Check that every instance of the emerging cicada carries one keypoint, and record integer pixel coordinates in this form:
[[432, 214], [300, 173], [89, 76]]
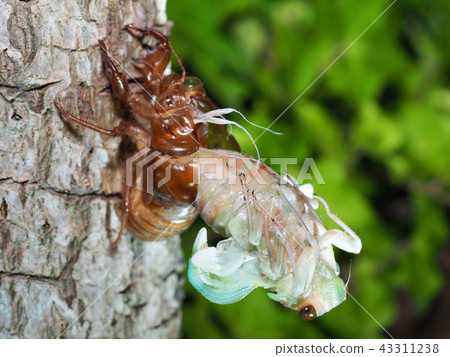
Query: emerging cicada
[[273, 237]]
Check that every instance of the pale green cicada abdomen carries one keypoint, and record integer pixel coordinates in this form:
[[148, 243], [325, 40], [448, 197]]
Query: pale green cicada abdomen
[[273, 237]]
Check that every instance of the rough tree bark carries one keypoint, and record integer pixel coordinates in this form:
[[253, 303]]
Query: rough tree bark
[[59, 188]]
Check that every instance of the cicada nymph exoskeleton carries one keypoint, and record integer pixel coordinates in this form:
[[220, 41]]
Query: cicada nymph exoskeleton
[[169, 104], [272, 235]]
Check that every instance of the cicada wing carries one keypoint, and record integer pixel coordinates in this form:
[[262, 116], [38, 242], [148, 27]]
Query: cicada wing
[[223, 274], [225, 289]]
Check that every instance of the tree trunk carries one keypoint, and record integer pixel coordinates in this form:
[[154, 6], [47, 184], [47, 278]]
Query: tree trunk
[[60, 183]]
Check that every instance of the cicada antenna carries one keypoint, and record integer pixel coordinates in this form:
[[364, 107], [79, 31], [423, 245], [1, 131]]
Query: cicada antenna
[[183, 70]]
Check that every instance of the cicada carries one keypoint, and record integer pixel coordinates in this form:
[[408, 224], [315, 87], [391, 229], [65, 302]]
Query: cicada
[[188, 163]]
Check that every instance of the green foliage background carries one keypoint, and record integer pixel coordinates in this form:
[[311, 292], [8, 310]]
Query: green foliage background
[[376, 123]]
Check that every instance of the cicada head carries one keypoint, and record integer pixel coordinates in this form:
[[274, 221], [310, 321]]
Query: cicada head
[[326, 291]]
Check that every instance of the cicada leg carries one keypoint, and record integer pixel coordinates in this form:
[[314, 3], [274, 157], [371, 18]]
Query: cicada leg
[[270, 250], [123, 128], [247, 202], [155, 62], [125, 214], [158, 59], [137, 103]]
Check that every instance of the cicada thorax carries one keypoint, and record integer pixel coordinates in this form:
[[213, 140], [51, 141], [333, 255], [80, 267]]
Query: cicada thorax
[[249, 200], [225, 178]]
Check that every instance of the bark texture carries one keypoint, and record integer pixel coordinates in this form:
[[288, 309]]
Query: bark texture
[[60, 186]]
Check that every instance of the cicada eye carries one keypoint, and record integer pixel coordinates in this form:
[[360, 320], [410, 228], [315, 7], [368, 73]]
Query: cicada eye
[[308, 313]]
